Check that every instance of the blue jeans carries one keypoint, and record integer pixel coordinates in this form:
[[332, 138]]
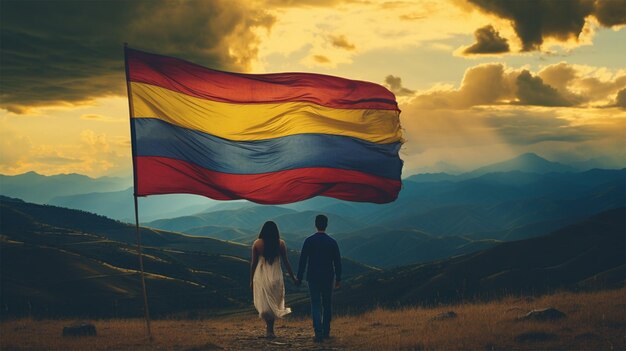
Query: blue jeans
[[321, 306]]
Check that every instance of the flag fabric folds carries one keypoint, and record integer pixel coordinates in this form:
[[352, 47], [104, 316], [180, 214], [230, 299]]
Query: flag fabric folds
[[267, 138]]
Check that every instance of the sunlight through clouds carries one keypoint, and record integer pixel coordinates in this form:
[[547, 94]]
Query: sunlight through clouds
[[363, 26], [498, 112], [90, 138], [556, 88]]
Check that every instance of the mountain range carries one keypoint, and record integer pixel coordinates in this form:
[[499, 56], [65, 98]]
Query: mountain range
[[63, 263], [588, 254], [448, 217], [112, 197], [529, 162], [119, 204], [40, 189]]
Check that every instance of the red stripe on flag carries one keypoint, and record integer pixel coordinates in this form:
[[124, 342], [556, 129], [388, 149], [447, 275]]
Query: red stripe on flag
[[159, 175], [194, 80]]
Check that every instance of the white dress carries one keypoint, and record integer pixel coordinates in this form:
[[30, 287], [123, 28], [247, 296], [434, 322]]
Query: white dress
[[269, 289]]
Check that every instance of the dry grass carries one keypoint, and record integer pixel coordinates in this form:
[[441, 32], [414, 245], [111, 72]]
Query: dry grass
[[595, 321]]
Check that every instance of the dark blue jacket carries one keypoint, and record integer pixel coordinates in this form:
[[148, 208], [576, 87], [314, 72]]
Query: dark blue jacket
[[321, 253]]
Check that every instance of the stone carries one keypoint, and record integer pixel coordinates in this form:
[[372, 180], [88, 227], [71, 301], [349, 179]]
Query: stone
[[445, 315], [546, 314]]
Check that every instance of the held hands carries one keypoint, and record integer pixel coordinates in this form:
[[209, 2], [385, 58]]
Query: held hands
[[297, 281]]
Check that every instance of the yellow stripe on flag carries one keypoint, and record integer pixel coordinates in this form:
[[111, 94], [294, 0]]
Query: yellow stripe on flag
[[246, 122]]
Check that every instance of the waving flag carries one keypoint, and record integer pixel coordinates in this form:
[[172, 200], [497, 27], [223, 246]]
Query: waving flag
[[267, 138]]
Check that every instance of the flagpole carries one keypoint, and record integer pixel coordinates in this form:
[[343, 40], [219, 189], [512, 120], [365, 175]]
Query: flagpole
[[138, 232]]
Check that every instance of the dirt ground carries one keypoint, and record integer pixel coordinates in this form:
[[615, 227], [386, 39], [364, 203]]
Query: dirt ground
[[593, 321]]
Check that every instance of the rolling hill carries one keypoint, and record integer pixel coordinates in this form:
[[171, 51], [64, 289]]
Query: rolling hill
[[119, 204], [62, 262], [382, 247], [250, 218], [586, 255]]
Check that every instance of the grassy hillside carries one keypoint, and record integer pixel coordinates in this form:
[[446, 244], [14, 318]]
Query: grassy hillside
[[383, 247], [74, 266], [588, 254], [594, 321], [58, 261], [62, 262]]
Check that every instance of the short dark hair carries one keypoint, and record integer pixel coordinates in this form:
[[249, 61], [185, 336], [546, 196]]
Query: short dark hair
[[321, 222]]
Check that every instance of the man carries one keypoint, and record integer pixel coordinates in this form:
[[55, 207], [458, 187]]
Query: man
[[321, 253]]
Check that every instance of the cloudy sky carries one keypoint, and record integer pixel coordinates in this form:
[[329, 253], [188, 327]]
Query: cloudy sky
[[478, 81]]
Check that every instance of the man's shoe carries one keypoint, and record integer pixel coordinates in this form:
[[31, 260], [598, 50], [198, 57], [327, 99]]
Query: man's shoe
[[318, 339]]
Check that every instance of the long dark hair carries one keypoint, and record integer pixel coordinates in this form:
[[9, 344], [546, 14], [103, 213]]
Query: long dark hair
[[271, 241]]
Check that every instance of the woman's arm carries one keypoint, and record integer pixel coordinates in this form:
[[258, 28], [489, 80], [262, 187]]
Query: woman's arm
[[285, 258], [254, 261]]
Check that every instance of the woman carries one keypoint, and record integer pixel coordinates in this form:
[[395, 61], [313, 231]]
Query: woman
[[266, 276]]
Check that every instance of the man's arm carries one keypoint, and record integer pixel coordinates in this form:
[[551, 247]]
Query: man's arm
[[337, 264], [304, 257]]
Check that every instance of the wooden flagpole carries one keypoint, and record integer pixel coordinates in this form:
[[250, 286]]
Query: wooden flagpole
[[138, 232], [143, 280]]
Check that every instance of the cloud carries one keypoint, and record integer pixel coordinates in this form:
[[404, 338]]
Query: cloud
[[481, 85], [55, 160], [488, 41], [412, 16], [14, 148], [66, 51], [528, 127], [341, 42], [95, 140], [93, 154], [620, 99], [100, 118], [534, 21], [565, 112], [532, 91], [395, 85], [583, 84], [300, 33], [302, 3], [92, 116], [560, 84], [321, 59], [473, 137], [610, 12], [394, 4]]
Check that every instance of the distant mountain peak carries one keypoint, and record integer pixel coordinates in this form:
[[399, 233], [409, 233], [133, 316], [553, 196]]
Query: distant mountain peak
[[34, 187], [26, 174], [527, 162], [531, 156]]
